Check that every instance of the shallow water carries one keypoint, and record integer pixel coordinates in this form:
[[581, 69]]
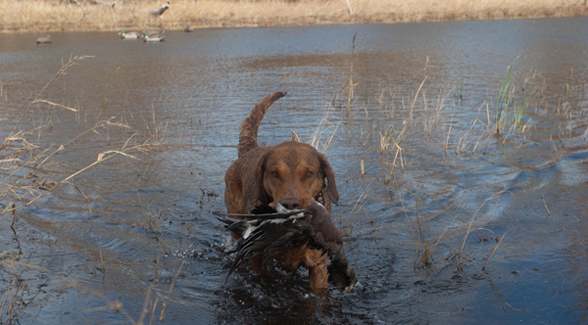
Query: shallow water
[[127, 230]]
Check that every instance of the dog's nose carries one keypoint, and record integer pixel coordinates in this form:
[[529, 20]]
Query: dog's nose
[[291, 203]]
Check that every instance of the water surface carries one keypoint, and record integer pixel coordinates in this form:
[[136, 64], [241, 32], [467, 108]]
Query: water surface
[[124, 231]]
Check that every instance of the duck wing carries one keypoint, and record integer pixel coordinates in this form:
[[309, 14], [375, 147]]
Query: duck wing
[[271, 235]]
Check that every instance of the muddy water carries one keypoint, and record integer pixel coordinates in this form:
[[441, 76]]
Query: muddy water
[[123, 233]]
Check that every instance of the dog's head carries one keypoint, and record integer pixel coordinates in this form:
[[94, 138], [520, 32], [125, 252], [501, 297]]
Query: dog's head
[[294, 174]]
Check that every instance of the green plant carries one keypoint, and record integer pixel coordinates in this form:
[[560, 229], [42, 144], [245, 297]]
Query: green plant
[[507, 100], [502, 101]]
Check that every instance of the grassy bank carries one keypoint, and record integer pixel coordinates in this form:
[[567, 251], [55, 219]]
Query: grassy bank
[[92, 15]]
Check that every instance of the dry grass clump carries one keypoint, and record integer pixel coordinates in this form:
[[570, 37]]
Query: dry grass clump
[[155, 301], [82, 15], [49, 15], [443, 10], [517, 108], [13, 293], [520, 108], [20, 186], [22, 166], [11, 296]]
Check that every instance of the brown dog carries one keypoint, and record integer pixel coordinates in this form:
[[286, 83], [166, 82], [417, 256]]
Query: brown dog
[[291, 173]]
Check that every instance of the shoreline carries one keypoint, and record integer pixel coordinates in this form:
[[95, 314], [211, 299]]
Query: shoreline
[[41, 16]]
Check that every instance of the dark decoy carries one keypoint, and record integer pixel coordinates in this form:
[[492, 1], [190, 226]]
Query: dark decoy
[[152, 38], [44, 40], [130, 35]]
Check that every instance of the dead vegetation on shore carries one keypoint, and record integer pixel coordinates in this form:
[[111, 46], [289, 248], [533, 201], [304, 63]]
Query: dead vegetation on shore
[[95, 15]]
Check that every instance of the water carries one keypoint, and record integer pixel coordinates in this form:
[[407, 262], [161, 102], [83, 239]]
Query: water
[[127, 230]]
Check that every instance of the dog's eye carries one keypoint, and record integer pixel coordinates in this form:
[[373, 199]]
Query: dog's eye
[[275, 174], [309, 173]]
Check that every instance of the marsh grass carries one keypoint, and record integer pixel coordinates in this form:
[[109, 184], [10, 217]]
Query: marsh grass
[[503, 101], [432, 116], [462, 256], [419, 113], [498, 242], [12, 299], [23, 162], [84, 15], [350, 86], [436, 115], [426, 244], [155, 301], [348, 216], [52, 15], [424, 247], [518, 106], [15, 146], [508, 109], [521, 105], [571, 106], [152, 223], [20, 158], [324, 133]]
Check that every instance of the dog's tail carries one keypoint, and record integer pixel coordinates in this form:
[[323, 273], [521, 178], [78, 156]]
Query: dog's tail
[[249, 127]]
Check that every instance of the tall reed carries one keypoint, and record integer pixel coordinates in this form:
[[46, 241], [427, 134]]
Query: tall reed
[[509, 108]]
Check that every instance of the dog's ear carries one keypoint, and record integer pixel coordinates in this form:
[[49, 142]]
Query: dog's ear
[[262, 194], [330, 175]]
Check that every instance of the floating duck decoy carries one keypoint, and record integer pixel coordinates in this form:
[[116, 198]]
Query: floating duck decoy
[[267, 230], [44, 40], [154, 38], [150, 33], [188, 29], [130, 35]]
